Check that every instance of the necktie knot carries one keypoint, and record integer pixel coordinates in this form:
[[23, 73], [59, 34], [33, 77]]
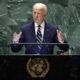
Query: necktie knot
[[39, 26]]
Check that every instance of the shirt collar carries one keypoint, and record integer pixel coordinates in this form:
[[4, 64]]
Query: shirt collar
[[42, 24]]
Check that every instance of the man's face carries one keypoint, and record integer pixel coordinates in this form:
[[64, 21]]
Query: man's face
[[38, 15]]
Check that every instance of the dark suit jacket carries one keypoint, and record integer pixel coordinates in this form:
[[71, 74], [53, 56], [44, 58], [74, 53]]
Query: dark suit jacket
[[28, 36]]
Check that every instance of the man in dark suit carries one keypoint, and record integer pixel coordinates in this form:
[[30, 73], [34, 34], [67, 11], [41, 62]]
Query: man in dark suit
[[39, 31]]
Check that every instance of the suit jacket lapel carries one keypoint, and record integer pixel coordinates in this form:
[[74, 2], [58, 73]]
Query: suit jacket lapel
[[33, 36], [46, 33]]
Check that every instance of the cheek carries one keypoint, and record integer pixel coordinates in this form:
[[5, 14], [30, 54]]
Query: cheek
[[41, 17], [34, 17]]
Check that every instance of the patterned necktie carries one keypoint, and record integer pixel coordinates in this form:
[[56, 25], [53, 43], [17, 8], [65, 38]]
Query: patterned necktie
[[39, 37]]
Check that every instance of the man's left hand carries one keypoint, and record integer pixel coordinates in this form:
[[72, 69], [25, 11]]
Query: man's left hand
[[60, 36]]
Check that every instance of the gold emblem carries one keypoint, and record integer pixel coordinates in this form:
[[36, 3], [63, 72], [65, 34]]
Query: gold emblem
[[38, 67]]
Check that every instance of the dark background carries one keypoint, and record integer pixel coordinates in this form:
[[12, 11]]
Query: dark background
[[61, 67]]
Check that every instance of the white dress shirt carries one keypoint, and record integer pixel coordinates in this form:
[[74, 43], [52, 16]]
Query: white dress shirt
[[42, 28]]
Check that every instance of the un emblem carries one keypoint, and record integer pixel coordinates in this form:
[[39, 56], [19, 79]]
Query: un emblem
[[38, 67]]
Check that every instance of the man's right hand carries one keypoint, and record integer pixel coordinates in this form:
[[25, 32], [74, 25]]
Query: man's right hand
[[16, 37]]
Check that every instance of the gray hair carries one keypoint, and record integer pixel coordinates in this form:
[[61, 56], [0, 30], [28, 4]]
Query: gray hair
[[40, 5]]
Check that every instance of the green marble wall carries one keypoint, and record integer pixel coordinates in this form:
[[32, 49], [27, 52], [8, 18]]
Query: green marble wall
[[65, 13]]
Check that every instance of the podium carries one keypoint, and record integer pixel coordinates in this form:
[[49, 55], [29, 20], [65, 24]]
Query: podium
[[39, 67], [5, 48], [14, 67]]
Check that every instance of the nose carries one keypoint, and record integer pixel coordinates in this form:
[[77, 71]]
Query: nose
[[36, 15]]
